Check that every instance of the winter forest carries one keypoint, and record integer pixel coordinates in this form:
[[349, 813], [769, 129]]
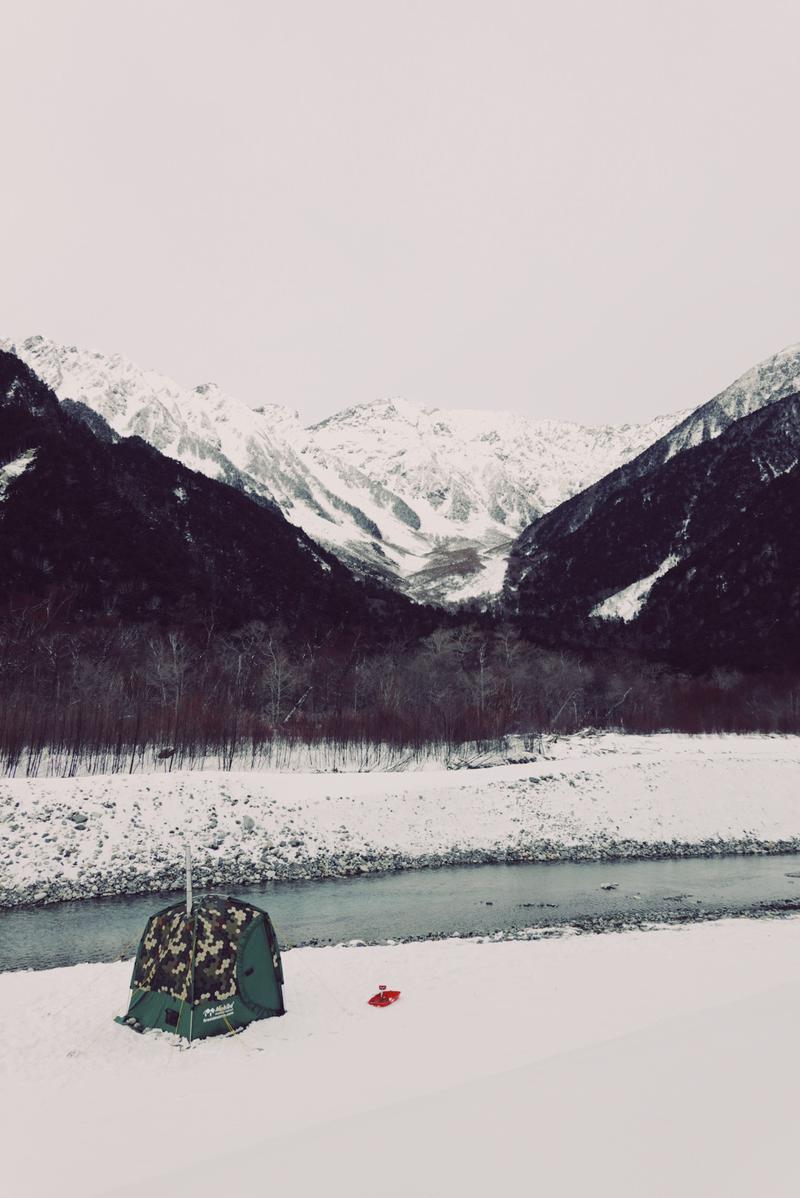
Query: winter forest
[[123, 699]]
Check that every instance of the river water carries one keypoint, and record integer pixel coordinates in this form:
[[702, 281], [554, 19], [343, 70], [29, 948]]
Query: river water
[[465, 900]]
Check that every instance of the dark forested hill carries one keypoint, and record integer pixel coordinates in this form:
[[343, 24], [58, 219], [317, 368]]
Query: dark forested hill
[[737, 600], [114, 529], [693, 560], [768, 382]]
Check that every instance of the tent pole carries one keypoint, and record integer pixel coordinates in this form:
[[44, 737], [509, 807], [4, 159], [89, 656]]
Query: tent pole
[[188, 879]]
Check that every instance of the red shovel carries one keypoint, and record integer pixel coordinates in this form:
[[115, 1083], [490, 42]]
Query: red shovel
[[384, 997]]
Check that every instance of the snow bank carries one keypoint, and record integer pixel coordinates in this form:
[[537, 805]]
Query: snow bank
[[598, 798], [657, 1063]]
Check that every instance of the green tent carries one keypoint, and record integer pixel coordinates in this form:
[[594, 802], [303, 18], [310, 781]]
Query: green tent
[[209, 971]]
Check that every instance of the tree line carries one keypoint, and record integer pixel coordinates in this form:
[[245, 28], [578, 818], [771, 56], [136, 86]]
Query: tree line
[[119, 696]]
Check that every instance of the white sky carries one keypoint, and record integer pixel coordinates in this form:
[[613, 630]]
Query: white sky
[[585, 210]]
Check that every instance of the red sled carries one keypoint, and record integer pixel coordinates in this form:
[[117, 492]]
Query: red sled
[[384, 997]]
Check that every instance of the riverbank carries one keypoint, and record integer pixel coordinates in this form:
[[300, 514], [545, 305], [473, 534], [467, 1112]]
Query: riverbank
[[592, 799], [664, 1056]]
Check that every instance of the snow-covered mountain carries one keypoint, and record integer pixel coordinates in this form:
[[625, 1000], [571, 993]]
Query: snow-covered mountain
[[219, 436], [95, 525], [426, 499], [688, 552], [464, 467], [771, 380]]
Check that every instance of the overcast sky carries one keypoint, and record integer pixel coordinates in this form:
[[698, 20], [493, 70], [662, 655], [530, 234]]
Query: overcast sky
[[581, 210]]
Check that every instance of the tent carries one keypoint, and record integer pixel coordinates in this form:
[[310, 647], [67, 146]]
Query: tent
[[205, 969]]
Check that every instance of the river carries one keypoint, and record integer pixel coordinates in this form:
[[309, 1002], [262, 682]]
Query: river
[[416, 904]]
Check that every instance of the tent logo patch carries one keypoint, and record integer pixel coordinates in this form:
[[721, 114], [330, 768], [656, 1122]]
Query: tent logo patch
[[221, 1011]]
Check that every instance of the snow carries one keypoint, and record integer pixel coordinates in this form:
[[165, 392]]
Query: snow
[[14, 469], [591, 798], [626, 604], [434, 482], [656, 1063], [768, 381], [456, 460]]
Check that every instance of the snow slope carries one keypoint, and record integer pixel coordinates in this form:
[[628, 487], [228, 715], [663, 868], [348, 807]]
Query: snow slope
[[656, 1062], [599, 797], [487, 470], [14, 469], [768, 381], [627, 603], [428, 499]]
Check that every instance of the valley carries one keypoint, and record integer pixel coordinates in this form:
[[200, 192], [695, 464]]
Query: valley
[[424, 500]]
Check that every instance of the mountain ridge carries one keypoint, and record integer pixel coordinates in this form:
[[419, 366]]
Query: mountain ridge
[[121, 532], [653, 562], [768, 381], [428, 500]]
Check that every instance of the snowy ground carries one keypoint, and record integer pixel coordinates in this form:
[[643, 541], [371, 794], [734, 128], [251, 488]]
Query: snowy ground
[[658, 1063], [597, 797]]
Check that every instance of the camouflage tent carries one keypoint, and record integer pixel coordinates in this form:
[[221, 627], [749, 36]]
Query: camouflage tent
[[212, 971]]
